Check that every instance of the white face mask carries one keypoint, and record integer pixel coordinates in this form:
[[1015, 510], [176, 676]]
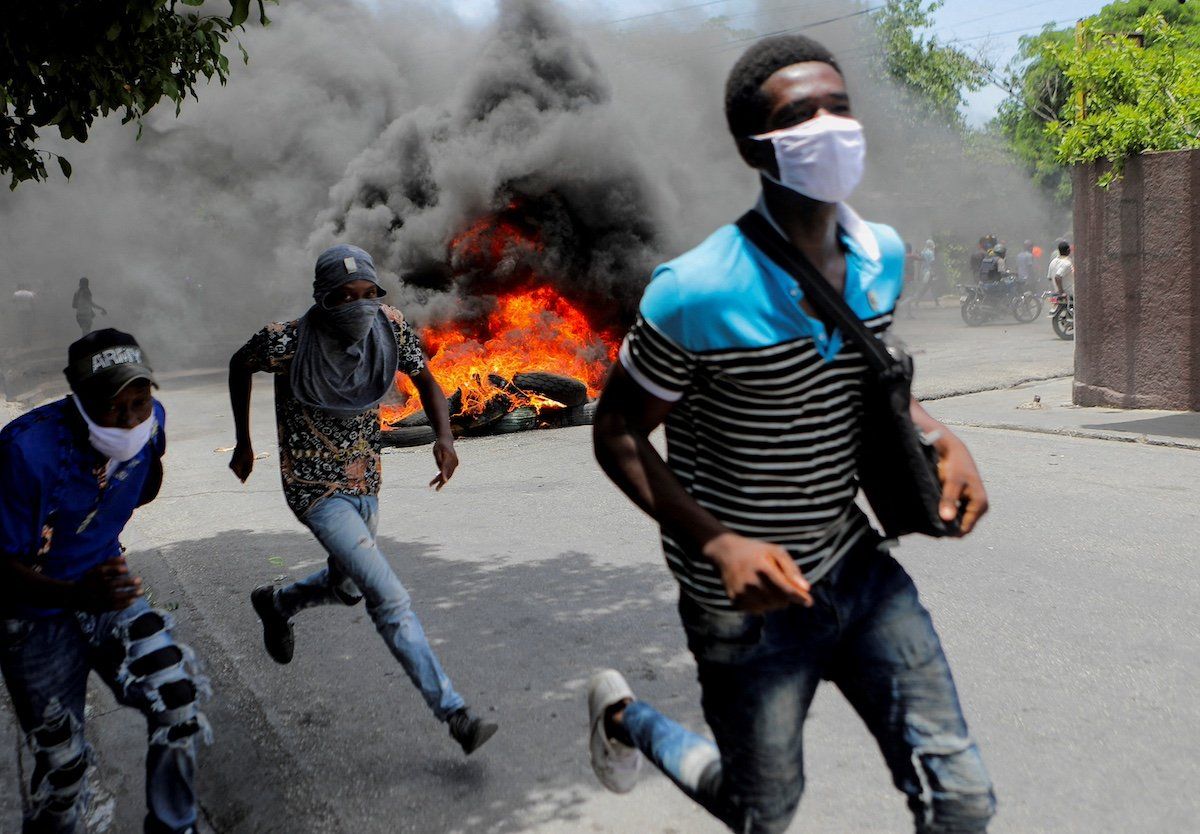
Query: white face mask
[[823, 158], [117, 445]]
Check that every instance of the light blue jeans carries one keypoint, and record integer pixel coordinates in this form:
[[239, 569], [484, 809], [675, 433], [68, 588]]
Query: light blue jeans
[[345, 525]]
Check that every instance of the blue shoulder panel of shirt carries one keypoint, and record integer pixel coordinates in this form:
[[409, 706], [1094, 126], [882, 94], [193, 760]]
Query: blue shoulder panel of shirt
[[725, 294], [44, 474]]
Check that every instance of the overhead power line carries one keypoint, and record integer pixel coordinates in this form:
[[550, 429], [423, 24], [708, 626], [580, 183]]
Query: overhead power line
[[1014, 31], [864, 50], [723, 18], [675, 57], [804, 26], [998, 14], [667, 11]]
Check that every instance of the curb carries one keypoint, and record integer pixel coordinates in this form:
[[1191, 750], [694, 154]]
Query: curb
[[966, 392], [1082, 434]]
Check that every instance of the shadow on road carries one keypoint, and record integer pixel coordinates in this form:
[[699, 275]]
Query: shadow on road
[[339, 739], [1186, 426]]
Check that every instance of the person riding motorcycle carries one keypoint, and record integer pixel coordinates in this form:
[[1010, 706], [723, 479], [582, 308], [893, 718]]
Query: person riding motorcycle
[[985, 246], [992, 268]]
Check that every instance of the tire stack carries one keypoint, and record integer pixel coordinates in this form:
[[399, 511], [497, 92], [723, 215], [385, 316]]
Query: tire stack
[[498, 415]]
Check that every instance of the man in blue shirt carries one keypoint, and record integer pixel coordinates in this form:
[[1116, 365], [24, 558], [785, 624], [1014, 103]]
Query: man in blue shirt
[[71, 475], [1025, 261], [783, 581]]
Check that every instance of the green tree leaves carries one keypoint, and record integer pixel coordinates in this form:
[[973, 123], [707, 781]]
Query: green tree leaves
[[936, 74], [1038, 90], [1137, 99], [63, 63], [1132, 98]]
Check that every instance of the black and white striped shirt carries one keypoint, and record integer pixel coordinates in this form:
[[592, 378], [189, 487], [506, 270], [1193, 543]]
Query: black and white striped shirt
[[765, 432]]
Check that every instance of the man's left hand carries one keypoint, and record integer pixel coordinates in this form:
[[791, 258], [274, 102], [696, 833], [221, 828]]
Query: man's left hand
[[963, 495], [447, 461]]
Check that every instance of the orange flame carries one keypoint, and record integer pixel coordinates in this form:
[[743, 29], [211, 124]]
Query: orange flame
[[529, 330]]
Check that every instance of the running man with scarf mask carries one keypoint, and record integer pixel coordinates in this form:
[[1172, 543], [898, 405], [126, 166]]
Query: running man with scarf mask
[[332, 369], [71, 475], [783, 581]]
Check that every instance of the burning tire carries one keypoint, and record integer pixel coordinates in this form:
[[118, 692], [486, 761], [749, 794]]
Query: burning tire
[[519, 419], [561, 389], [419, 418], [492, 412], [581, 415], [403, 436]]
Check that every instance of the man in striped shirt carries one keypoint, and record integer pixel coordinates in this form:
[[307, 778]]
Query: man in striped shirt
[[783, 580]]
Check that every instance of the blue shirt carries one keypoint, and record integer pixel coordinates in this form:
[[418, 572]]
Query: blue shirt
[[59, 512], [765, 430], [726, 294]]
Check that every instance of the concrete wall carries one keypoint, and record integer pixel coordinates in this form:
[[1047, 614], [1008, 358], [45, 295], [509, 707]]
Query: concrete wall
[[1137, 284]]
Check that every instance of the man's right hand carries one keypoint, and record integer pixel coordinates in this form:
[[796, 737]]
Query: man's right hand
[[242, 462], [107, 587], [758, 576]]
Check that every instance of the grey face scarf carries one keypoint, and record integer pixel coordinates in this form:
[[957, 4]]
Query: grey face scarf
[[346, 356], [353, 321]]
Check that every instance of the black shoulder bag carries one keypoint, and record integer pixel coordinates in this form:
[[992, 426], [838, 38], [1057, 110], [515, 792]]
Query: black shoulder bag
[[897, 465]]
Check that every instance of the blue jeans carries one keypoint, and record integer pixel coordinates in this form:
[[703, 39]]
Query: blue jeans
[[345, 525], [46, 662], [868, 633]]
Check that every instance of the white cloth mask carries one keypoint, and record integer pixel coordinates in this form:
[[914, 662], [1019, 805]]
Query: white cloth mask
[[822, 158], [118, 445]]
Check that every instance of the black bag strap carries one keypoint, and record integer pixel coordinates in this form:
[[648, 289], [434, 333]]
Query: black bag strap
[[825, 300]]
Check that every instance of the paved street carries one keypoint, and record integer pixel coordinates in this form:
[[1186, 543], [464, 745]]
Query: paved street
[[1070, 618], [952, 358]]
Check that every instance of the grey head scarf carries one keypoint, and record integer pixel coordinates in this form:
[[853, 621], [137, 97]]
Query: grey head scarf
[[346, 356]]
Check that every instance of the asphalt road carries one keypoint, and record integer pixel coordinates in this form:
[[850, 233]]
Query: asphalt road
[[1070, 619], [951, 358]]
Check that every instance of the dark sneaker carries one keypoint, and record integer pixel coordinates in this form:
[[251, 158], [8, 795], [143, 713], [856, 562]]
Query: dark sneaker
[[277, 631], [471, 733]]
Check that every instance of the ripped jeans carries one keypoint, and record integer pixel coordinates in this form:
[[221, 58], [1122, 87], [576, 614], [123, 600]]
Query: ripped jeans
[[345, 525], [46, 662], [868, 633]]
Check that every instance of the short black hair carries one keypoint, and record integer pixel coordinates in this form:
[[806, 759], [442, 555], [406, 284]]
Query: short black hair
[[1064, 248], [745, 105]]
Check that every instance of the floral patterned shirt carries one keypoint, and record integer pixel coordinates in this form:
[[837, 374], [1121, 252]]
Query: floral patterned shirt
[[319, 453]]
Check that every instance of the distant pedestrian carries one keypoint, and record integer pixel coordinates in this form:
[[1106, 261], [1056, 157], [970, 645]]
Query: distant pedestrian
[[72, 473], [1062, 269], [332, 369], [85, 306], [1025, 261], [928, 259]]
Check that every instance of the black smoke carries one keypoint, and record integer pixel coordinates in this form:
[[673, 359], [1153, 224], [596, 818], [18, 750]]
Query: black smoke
[[532, 139], [398, 126]]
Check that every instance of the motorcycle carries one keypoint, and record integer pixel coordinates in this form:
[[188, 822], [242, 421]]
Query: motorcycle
[[1062, 314], [1008, 296]]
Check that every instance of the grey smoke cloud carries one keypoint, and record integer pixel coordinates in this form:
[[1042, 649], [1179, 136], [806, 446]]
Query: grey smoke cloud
[[228, 192], [533, 124], [395, 128]]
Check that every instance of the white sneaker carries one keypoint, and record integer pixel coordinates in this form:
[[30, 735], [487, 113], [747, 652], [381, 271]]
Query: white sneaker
[[616, 764]]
